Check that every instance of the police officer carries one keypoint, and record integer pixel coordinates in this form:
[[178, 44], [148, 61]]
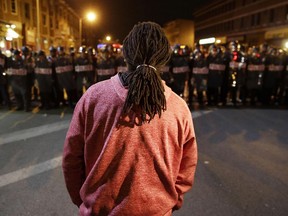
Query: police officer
[[43, 73], [254, 75], [64, 70], [272, 77], [57, 93], [17, 76], [84, 71], [5, 99], [120, 63], [106, 64], [72, 54], [216, 65], [285, 83], [30, 64], [236, 76], [166, 74], [181, 69], [92, 58], [199, 75]]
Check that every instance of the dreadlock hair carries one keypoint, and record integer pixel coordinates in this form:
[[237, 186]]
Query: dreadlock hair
[[145, 49]]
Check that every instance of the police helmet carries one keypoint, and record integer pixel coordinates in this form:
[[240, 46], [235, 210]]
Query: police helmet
[[16, 52], [197, 53], [255, 49], [186, 50], [60, 49], [71, 49], [82, 49], [41, 53], [233, 45], [91, 51], [176, 49], [213, 48], [52, 49], [25, 49], [273, 51], [264, 47]]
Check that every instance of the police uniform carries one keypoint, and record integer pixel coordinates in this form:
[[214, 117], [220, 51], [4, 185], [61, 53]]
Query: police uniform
[[121, 65], [84, 71], [236, 76], [43, 74], [272, 77], [285, 83], [57, 93], [199, 76], [181, 70], [106, 65], [5, 99], [30, 64], [65, 74], [17, 76], [254, 75], [166, 74], [92, 58], [216, 66]]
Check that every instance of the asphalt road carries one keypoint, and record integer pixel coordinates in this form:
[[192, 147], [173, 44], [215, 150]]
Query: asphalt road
[[242, 168]]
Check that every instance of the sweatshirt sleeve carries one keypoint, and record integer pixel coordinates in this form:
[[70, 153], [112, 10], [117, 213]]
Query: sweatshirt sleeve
[[73, 164], [187, 169]]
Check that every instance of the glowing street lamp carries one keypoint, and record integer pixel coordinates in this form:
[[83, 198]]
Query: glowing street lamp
[[108, 38], [90, 16]]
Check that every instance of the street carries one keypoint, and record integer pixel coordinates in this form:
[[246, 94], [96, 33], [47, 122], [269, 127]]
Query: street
[[242, 168]]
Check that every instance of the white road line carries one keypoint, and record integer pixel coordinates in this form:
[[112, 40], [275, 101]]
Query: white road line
[[33, 132], [196, 114], [27, 172], [30, 171]]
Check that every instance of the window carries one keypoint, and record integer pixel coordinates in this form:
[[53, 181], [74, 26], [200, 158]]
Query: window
[[271, 17], [242, 22], [51, 23], [258, 19], [57, 24], [27, 10], [44, 21], [4, 5], [253, 20], [13, 6]]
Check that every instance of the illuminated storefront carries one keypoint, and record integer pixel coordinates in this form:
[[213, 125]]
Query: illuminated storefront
[[8, 36]]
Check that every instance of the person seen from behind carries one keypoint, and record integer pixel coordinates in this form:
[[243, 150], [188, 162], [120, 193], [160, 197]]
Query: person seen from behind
[[131, 147]]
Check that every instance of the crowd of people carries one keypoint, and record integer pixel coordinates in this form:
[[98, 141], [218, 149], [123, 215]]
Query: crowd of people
[[216, 76], [56, 79], [234, 75]]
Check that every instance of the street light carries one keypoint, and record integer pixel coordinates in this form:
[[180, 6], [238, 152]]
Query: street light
[[90, 16], [108, 38]]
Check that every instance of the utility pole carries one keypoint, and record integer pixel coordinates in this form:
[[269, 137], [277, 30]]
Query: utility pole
[[38, 37]]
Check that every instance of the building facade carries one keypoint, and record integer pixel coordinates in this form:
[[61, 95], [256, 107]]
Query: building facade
[[180, 31], [38, 24], [251, 22]]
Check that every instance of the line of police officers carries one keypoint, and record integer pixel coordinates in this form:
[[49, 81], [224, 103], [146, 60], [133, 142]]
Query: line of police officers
[[216, 77], [59, 78], [229, 75]]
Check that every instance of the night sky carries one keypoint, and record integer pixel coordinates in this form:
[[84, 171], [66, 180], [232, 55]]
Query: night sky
[[117, 17]]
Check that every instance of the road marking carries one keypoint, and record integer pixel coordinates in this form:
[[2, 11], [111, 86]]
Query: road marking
[[22, 121], [33, 170], [33, 132], [6, 114], [196, 114], [27, 172]]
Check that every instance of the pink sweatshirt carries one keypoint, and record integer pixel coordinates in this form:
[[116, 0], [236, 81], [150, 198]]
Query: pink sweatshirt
[[114, 167]]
